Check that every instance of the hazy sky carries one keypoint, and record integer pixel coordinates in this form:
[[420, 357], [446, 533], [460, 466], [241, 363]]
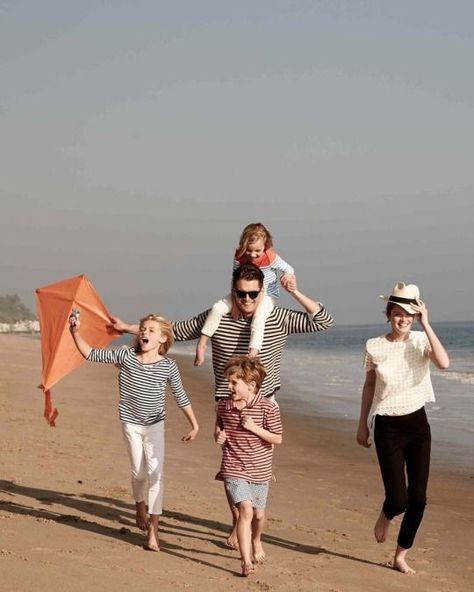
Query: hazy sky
[[138, 138]]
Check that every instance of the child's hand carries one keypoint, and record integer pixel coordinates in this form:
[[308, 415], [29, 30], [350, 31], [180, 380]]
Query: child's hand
[[189, 437], [221, 437], [288, 281], [247, 423], [74, 322]]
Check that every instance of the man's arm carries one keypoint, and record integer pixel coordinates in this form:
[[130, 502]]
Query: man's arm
[[310, 306], [183, 330], [319, 320], [189, 329]]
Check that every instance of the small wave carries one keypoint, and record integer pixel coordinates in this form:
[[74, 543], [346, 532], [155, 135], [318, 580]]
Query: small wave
[[463, 377]]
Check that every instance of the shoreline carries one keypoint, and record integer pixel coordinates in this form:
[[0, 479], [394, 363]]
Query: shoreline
[[67, 516]]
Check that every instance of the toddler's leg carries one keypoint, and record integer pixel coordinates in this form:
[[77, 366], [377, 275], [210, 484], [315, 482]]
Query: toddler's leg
[[257, 328], [218, 310]]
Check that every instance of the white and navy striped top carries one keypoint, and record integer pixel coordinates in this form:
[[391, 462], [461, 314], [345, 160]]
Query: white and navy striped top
[[244, 454], [142, 387], [232, 338]]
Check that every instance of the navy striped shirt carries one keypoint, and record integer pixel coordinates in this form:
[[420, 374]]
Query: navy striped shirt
[[232, 338], [142, 387]]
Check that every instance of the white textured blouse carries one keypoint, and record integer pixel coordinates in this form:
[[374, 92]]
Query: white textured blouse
[[402, 369]]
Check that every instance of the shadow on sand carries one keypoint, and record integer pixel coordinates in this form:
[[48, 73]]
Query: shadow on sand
[[115, 519]]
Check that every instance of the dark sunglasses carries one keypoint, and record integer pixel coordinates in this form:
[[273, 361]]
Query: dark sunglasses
[[242, 294]]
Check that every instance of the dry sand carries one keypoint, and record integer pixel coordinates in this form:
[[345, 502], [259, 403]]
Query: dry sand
[[67, 516]]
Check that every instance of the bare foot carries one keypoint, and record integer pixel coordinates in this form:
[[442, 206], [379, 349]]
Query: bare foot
[[141, 517], [152, 543], [399, 562], [381, 528], [253, 353], [247, 569], [232, 542], [258, 552]]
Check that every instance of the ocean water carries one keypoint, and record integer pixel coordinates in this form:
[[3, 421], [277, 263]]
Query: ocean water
[[322, 375]]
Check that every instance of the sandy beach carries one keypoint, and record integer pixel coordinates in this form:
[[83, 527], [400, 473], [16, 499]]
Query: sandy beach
[[67, 515]]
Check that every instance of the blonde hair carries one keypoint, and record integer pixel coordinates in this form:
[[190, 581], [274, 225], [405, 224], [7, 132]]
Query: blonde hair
[[248, 370], [252, 233], [165, 328]]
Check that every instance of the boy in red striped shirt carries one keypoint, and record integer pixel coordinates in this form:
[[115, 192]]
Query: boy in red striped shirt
[[247, 427]]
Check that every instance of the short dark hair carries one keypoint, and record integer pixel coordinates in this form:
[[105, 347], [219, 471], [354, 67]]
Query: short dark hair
[[248, 272]]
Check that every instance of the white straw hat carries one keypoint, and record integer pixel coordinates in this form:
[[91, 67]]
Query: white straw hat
[[403, 295]]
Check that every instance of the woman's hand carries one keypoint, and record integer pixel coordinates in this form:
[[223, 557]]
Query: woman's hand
[[421, 312], [363, 436]]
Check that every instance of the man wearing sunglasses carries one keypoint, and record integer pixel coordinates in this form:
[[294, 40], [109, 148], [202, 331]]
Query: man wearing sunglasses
[[233, 334]]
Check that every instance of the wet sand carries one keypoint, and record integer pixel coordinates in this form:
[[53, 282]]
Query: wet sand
[[67, 516]]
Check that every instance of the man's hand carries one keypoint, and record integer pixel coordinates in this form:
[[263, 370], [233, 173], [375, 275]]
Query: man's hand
[[118, 325], [288, 281]]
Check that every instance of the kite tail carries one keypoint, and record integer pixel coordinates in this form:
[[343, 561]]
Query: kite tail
[[50, 413]]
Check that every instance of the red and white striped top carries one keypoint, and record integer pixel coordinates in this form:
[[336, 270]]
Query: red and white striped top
[[244, 454]]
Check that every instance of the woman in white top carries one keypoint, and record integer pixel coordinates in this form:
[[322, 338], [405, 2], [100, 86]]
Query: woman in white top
[[396, 388]]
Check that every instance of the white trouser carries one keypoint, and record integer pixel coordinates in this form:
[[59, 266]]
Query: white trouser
[[257, 328], [146, 451]]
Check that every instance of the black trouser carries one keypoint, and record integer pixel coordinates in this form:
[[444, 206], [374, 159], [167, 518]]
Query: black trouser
[[404, 441]]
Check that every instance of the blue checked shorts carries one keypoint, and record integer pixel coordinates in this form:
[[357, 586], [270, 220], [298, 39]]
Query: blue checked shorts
[[240, 490]]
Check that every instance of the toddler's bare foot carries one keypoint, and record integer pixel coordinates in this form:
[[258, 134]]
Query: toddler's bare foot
[[399, 562], [253, 353], [258, 552], [381, 528], [141, 517]]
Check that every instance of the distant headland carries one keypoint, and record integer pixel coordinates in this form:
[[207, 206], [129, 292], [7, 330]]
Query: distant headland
[[15, 317]]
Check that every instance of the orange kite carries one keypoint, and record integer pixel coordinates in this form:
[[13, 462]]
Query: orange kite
[[59, 354]]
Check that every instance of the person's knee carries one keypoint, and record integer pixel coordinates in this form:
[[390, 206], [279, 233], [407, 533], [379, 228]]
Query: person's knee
[[395, 505], [139, 475], [154, 477], [245, 511], [417, 501]]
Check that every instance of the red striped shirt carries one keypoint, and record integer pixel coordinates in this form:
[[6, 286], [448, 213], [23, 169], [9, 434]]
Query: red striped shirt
[[244, 454]]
